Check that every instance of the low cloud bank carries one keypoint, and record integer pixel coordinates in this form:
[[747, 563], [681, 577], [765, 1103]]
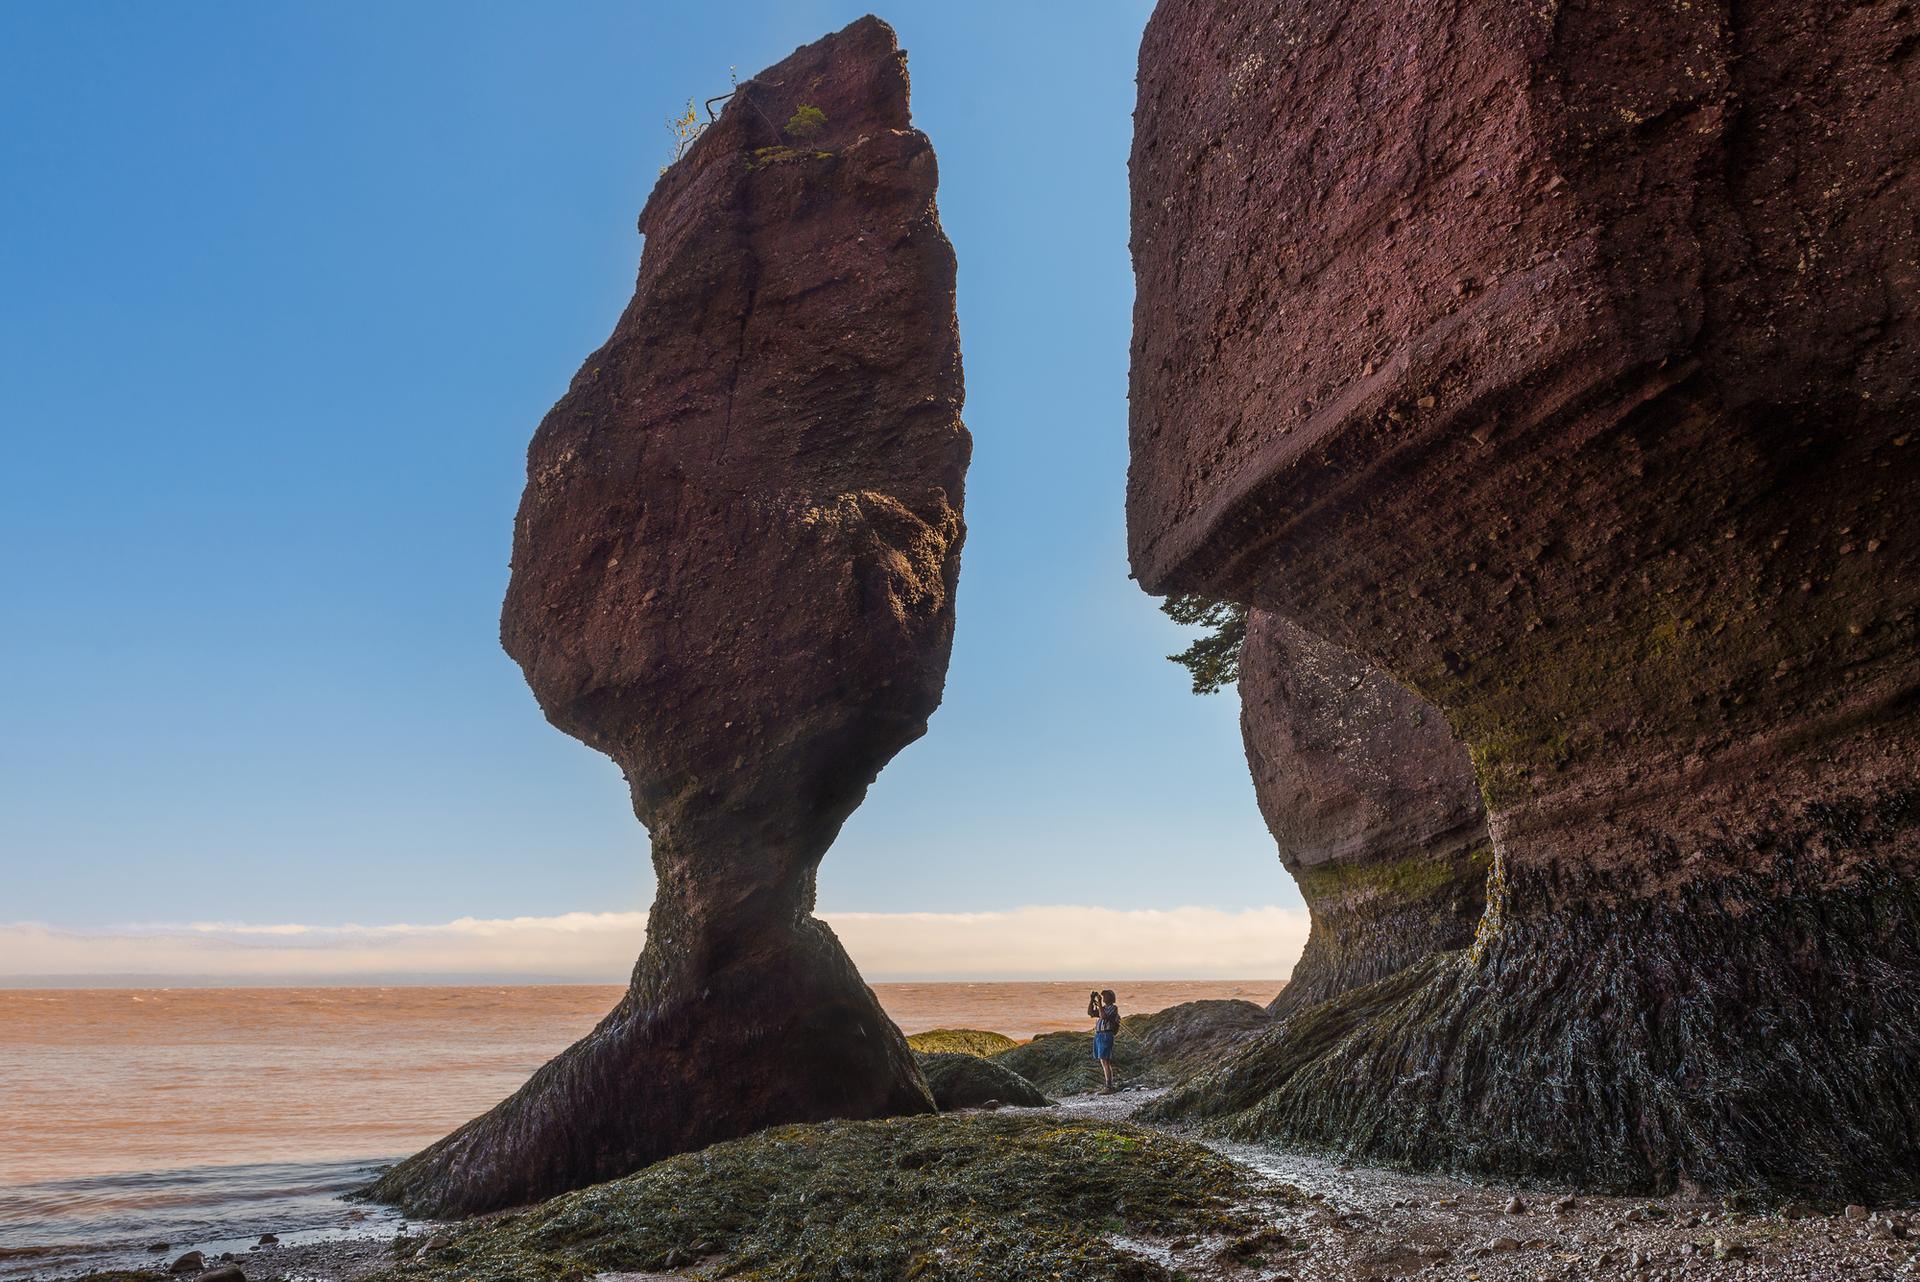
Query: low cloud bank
[[1042, 942]]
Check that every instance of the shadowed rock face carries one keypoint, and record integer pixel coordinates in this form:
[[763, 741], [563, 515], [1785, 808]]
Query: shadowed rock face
[[1564, 363], [733, 573], [959, 1080], [1372, 802]]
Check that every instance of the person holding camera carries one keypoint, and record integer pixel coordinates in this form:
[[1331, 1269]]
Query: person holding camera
[[1105, 1012]]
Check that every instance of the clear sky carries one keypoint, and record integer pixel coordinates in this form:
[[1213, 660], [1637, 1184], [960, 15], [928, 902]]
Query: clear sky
[[284, 290]]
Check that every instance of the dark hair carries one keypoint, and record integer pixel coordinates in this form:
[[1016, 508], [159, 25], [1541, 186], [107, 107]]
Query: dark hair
[[1107, 995]]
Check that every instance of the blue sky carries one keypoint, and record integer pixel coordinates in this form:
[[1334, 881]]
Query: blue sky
[[284, 290]]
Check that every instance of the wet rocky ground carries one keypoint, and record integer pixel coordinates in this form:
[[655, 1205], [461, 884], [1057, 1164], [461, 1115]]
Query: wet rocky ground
[[1318, 1220], [1367, 1223]]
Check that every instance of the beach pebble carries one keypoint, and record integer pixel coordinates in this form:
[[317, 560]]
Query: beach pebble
[[225, 1273], [1515, 1206], [269, 1239], [1503, 1244], [1561, 1205], [1856, 1212], [191, 1262], [1725, 1250], [161, 1246]]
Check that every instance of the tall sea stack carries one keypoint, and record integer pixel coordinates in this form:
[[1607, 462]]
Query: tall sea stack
[[733, 573], [1563, 363]]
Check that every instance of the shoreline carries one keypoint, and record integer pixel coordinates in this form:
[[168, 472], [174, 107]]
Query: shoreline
[[1340, 1221]]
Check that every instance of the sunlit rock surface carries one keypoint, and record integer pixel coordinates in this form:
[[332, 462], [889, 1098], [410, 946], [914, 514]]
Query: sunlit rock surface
[[733, 573], [1563, 362]]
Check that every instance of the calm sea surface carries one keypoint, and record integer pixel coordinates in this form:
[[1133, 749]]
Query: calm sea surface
[[207, 1116]]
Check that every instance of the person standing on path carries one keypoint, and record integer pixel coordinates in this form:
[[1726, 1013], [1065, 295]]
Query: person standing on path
[[1105, 1011]]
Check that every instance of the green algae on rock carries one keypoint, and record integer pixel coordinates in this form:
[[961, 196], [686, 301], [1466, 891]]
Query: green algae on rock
[[962, 1041], [1566, 381], [1155, 1049], [734, 569], [959, 1080], [1372, 803], [1746, 1028], [981, 1198]]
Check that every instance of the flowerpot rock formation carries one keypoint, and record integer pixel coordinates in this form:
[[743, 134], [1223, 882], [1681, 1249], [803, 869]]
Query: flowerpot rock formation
[[1563, 363], [1372, 802], [733, 573]]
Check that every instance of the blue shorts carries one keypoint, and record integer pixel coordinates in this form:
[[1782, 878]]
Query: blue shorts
[[1102, 1045]]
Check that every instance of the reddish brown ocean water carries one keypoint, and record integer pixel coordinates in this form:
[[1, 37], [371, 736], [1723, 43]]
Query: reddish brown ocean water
[[198, 1113]]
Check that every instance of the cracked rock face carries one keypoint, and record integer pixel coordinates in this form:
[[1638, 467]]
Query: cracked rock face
[[733, 573], [1372, 802], [1565, 363]]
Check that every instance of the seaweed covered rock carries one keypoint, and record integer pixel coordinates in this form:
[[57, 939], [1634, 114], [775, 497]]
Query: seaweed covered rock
[[1372, 802], [961, 1080], [733, 573], [1564, 364], [961, 1041], [1155, 1049], [981, 1198]]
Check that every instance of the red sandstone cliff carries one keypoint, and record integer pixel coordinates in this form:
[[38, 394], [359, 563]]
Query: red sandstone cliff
[[1564, 362], [1372, 802]]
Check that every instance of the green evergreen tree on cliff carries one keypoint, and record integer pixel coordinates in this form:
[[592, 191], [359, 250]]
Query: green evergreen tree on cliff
[[1214, 659]]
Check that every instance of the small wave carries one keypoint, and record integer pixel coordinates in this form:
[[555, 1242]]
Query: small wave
[[108, 1221]]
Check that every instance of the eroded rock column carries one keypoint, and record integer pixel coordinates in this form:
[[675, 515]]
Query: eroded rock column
[[733, 572], [1564, 363], [1372, 803]]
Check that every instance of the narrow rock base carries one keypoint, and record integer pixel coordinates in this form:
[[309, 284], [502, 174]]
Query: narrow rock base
[[774, 1026], [1757, 1032]]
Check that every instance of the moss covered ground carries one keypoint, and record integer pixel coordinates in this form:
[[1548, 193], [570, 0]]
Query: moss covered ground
[[960, 1041], [965, 1199]]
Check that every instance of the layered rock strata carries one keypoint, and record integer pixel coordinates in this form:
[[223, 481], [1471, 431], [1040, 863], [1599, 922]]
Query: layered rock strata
[[1372, 803], [733, 573], [1564, 364]]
